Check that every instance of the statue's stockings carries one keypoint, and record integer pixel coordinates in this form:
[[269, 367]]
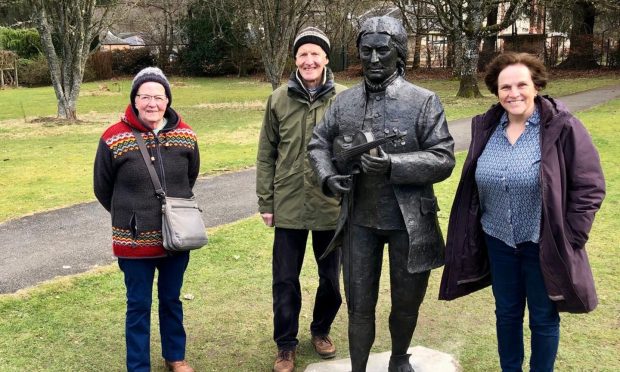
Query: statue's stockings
[[362, 261]]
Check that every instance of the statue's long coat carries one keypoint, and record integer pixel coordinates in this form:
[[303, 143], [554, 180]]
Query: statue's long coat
[[425, 158]]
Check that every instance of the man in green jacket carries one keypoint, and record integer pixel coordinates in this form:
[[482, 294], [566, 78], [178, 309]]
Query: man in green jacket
[[290, 199]]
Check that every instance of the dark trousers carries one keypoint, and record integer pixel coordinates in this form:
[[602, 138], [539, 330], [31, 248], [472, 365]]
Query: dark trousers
[[362, 261], [517, 279], [289, 247], [139, 275]]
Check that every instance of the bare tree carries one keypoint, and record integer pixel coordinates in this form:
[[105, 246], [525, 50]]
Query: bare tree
[[419, 19], [275, 23], [13, 13], [466, 20], [337, 18], [581, 52], [489, 42], [160, 20], [228, 23], [581, 19], [267, 25], [67, 28]]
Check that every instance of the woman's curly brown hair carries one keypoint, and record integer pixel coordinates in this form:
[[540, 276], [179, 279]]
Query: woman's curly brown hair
[[535, 65]]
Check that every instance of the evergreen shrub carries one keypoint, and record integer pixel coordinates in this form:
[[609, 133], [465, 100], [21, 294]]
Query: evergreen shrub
[[33, 72], [25, 42], [131, 61]]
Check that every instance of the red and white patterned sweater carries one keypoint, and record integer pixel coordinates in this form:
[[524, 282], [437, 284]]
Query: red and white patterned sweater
[[123, 186]]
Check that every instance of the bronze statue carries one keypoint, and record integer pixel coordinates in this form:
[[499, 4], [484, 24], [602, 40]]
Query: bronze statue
[[387, 196]]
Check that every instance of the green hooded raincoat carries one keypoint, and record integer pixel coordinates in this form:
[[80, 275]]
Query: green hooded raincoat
[[285, 182]]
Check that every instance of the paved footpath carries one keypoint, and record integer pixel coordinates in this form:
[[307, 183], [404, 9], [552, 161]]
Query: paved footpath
[[77, 238]]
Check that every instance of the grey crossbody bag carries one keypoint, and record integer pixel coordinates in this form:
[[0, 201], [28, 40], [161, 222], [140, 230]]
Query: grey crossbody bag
[[182, 226]]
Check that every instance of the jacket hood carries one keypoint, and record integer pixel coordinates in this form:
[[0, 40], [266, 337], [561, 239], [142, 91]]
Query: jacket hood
[[131, 118], [296, 88], [550, 107]]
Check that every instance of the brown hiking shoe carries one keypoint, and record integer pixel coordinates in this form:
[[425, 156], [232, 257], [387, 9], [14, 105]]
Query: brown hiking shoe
[[285, 361], [178, 366], [324, 346]]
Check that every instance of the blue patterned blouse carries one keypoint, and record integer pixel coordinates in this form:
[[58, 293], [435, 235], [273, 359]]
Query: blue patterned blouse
[[508, 180]]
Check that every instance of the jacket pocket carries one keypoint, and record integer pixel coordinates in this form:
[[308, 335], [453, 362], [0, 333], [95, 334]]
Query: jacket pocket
[[133, 228], [474, 258], [576, 239], [284, 171], [288, 198], [428, 205], [424, 227]]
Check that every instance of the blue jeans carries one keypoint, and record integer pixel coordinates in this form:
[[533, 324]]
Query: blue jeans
[[516, 277], [139, 275]]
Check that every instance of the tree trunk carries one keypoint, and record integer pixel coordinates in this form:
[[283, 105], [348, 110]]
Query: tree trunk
[[469, 69], [466, 25], [457, 55], [488, 43], [72, 24], [428, 53], [273, 68], [67, 110], [416, 52], [457, 50], [581, 52], [276, 21]]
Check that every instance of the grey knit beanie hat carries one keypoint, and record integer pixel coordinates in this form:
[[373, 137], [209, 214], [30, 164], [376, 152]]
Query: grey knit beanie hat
[[311, 35], [147, 74]]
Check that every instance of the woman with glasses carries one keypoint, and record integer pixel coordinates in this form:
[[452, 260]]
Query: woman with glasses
[[123, 187]]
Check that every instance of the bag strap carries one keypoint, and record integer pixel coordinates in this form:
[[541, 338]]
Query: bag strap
[[159, 191]]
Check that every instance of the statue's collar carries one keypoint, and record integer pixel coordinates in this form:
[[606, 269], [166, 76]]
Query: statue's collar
[[373, 87], [391, 89]]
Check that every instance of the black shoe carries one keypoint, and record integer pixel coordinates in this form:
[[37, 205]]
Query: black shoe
[[400, 363]]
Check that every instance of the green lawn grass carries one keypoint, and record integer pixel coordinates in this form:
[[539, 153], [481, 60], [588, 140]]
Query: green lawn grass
[[112, 96], [46, 165], [76, 323]]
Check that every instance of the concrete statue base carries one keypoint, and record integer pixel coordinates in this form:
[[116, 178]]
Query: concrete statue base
[[422, 359]]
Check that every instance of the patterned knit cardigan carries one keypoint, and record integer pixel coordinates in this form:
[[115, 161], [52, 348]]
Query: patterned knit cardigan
[[123, 186]]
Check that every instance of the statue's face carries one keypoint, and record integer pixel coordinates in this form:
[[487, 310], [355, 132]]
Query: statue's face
[[379, 57]]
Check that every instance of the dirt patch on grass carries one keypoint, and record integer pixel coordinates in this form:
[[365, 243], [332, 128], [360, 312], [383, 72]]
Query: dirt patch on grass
[[54, 121], [85, 119], [249, 105], [99, 94], [108, 89], [257, 80], [182, 84]]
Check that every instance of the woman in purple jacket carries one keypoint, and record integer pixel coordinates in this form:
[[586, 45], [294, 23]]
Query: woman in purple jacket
[[530, 187]]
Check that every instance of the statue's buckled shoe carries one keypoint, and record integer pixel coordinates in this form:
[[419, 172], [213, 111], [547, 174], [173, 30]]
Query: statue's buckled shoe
[[400, 363]]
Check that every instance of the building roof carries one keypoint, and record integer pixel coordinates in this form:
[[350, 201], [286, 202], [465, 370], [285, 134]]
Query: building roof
[[111, 39], [135, 40]]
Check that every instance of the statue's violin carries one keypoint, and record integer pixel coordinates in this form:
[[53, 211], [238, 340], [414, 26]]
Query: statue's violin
[[348, 149]]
